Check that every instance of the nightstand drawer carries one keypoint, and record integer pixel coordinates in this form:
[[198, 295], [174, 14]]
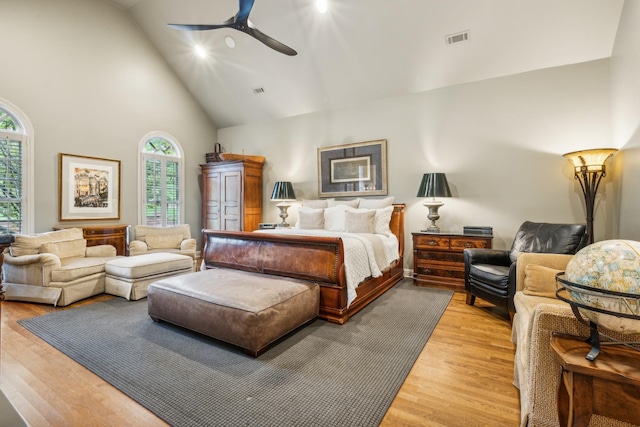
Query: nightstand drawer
[[440, 272], [431, 242], [439, 256], [438, 259], [470, 243]]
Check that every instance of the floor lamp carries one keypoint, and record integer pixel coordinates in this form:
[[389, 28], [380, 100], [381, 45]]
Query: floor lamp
[[589, 169]]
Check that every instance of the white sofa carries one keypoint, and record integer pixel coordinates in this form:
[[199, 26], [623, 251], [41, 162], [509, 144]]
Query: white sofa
[[54, 268], [175, 239], [539, 314]]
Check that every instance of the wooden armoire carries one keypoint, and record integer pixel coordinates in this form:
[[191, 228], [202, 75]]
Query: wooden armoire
[[232, 195]]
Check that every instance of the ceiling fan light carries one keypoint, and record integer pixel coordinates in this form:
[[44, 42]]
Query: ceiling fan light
[[200, 51], [322, 6], [230, 42]]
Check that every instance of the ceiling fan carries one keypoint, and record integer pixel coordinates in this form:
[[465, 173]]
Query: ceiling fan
[[240, 22]]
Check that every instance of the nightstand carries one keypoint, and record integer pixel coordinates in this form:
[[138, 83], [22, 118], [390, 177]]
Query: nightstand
[[438, 258]]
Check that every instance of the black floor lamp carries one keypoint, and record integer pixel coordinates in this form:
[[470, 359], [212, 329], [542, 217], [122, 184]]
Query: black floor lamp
[[589, 169]]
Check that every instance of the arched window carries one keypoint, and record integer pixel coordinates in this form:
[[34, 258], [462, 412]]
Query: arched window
[[162, 181], [16, 166]]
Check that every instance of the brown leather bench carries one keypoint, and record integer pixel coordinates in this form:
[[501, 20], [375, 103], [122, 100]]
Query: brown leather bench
[[249, 310]]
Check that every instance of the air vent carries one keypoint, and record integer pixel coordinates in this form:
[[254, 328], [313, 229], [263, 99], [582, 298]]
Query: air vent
[[456, 38], [258, 91]]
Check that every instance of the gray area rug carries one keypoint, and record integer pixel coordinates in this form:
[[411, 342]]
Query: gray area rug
[[320, 375]]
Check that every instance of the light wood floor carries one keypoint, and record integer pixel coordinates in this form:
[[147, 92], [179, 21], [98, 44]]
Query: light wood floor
[[462, 377]]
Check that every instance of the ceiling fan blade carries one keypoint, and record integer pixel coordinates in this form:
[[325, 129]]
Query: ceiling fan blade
[[269, 41], [197, 27]]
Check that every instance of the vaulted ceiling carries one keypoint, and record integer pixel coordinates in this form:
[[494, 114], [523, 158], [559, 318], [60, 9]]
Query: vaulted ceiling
[[360, 51]]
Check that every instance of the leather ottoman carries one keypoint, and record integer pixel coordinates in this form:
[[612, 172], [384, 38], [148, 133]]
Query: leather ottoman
[[129, 277], [248, 310]]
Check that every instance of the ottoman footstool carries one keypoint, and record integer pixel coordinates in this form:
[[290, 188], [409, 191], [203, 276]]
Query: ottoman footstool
[[249, 310], [129, 277]]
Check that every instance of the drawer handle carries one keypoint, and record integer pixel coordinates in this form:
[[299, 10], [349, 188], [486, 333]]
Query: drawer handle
[[468, 245], [432, 243]]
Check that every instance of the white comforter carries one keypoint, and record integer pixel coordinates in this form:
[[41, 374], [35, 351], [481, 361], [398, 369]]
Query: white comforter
[[365, 255]]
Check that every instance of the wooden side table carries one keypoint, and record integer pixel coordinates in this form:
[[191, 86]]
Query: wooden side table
[[116, 235], [438, 259], [608, 386]]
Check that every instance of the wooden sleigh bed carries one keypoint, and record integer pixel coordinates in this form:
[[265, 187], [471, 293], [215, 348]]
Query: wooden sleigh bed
[[317, 259]]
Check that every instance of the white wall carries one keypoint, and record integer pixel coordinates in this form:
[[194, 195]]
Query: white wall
[[93, 85], [499, 141], [625, 85]]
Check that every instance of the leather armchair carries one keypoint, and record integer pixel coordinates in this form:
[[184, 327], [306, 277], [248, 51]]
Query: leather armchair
[[490, 274]]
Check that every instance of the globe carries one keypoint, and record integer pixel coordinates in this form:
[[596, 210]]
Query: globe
[[612, 265]]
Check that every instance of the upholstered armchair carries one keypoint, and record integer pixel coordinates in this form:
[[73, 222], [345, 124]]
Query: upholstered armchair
[[55, 267], [491, 273], [175, 239]]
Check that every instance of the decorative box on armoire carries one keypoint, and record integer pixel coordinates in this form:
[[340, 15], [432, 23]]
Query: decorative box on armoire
[[232, 195]]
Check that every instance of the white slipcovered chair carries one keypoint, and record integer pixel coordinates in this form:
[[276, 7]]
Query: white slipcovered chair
[[174, 239]]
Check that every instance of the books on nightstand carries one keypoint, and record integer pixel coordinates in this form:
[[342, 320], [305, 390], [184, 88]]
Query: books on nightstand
[[477, 230]]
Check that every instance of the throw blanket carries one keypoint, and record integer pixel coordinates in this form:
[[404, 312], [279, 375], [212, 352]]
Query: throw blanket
[[365, 255]]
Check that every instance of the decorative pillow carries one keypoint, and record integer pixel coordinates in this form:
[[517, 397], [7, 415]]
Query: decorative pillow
[[334, 218], [359, 221], [382, 220], [310, 219], [30, 245], [375, 203], [350, 203], [540, 281], [66, 249], [164, 241], [315, 204]]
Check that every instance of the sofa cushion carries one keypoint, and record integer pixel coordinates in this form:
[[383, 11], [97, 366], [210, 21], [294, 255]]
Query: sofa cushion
[[30, 244], [66, 249], [540, 281], [75, 268], [164, 241], [142, 231]]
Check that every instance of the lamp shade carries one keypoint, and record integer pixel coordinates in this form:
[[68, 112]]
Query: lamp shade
[[592, 160], [434, 185], [283, 190]]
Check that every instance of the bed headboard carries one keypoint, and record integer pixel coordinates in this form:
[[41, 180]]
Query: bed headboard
[[397, 225]]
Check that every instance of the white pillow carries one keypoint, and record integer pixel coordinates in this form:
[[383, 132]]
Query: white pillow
[[359, 221], [315, 204], [310, 219], [375, 203], [382, 220], [334, 218], [351, 203]]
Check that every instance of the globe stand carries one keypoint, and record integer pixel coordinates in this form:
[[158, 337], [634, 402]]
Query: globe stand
[[563, 288]]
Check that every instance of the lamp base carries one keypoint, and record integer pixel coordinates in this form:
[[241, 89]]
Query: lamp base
[[433, 215], [283, 214]]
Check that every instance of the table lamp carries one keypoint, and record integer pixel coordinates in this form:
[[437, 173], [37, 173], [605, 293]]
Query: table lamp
[[434, 185], [283, 193]]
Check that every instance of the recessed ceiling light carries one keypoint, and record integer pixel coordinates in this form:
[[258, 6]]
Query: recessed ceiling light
[[230, 42], [200, 51], [321, 5]]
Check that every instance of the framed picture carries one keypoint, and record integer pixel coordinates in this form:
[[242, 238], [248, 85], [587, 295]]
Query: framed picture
[[89, 188], [358, 169]]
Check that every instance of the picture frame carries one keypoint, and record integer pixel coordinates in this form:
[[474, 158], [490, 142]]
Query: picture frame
[[88, 188], [357, 169]]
